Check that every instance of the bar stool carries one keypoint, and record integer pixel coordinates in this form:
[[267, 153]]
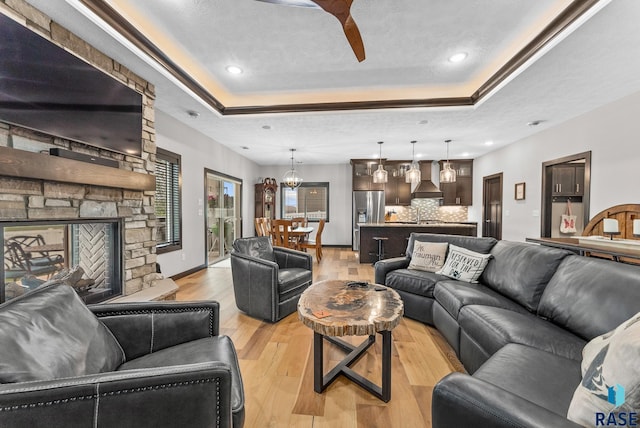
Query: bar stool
[[380, 253]]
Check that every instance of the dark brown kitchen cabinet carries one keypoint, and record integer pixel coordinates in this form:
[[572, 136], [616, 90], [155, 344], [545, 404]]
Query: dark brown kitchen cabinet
[[460, 192], [397, 191], [362, 170], [567, 180]]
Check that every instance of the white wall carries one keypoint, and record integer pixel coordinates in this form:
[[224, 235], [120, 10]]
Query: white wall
[[338, 230], [610, 132], [199, 152]]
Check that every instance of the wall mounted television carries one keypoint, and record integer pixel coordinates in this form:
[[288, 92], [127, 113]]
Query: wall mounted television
[[45, 88]]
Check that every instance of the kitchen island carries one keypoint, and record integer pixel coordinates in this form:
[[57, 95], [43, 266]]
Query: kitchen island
[[398, 234]]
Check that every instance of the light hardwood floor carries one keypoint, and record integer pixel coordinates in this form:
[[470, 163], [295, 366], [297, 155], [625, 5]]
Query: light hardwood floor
[[276, 360]]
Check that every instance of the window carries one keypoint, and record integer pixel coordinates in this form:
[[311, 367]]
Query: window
[[168, 206], [310, 200]]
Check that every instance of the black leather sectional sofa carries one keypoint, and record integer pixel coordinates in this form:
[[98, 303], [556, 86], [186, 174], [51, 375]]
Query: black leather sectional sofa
[[519, 332]]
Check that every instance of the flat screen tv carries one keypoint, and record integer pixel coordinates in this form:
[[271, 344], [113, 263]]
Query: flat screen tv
[[45, 88]]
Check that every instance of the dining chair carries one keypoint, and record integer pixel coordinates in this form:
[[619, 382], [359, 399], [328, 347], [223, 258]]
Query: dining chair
[[259, 226], [299, 222], [280, 234], [315, 243]]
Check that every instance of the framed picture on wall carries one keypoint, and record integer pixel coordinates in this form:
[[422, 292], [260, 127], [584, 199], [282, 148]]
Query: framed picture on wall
[[520, 189]]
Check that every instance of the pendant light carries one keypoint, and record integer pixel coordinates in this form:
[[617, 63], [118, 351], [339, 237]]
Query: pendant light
[[414, 175], [448, 174], [380, 175], [291, 179]]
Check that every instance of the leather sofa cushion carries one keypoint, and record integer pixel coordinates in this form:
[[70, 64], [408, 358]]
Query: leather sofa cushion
[[521, 271], [479, 245], [216, 348], [289, 280], [590, 297], [49, 333], [452, 295], [413, 281], [259, 247], [541, 377], [492, 328]]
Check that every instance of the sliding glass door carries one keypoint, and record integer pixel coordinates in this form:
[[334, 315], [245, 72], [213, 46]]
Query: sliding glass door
[[224, 198]]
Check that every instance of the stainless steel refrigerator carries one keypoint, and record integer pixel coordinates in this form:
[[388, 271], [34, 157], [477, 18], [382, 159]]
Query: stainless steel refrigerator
[[368, 207]]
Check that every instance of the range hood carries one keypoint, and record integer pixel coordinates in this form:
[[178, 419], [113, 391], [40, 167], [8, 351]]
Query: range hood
[[426, 189]]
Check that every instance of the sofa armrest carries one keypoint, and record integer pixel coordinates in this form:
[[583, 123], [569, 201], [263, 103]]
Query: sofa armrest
[[197, 395], [288, 258], [383, 267], [460, 401], [143, 327]]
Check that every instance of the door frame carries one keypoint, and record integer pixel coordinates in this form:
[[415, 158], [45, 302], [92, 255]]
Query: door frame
[[499, 175], [205, 190], [547, 184]]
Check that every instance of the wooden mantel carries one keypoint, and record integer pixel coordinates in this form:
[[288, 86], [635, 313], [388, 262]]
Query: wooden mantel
[[23, 164]]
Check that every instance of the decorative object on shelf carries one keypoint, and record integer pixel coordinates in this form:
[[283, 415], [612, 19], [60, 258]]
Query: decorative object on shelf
[[636, 227], [520, 191], [610, 227], [413, 175], [341, 10], [448, 174], [291, 179], [380, 175]]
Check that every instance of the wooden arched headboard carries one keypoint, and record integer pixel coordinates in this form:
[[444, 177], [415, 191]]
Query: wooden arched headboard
[[625, 214]]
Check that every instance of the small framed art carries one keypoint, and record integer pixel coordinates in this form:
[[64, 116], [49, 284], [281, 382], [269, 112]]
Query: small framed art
[[520, 191]]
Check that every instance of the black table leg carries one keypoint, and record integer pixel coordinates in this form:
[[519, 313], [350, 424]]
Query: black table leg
[[320, 382]]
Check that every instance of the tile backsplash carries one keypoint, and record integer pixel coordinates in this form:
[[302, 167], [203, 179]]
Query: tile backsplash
[[430, 209]]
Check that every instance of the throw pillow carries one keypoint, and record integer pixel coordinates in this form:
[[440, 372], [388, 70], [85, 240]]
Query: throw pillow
[[610, 376], [464, 265], [49, 333], [428, 256]]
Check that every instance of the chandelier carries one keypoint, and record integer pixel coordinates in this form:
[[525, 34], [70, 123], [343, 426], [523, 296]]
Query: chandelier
[[380, 175], [448, 174], [414, 175], [291, 178]]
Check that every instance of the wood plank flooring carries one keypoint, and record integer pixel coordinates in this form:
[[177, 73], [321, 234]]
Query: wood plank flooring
[[276, 360]]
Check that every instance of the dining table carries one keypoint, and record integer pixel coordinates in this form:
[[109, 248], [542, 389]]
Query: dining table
[[300, 233]]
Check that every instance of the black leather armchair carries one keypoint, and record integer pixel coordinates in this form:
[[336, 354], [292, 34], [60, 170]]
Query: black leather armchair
[[267, 280], [156, 364]]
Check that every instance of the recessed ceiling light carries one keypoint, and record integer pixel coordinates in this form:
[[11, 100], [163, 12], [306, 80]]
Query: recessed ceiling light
[[233, 69], [244, 148], [193, 114], [460, 56], [488, 143], [465, 154], [266, 126], [423, 122], [535, 122]]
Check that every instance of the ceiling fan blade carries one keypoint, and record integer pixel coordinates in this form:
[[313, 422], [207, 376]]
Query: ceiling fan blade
[[355, 40], [299, 3], [341, 9]]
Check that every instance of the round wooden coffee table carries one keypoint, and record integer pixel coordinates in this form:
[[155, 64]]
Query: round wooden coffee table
[[345, 308]]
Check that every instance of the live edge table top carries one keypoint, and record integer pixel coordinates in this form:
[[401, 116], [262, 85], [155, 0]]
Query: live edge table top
[[333, 308]]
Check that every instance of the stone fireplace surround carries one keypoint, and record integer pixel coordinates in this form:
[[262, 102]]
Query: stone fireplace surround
[[24, 199]]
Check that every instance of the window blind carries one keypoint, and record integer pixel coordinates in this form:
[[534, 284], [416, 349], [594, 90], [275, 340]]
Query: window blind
[[168, 206]]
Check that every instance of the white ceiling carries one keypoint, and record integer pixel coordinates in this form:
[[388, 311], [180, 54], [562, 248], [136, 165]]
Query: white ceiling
[[300, 55]]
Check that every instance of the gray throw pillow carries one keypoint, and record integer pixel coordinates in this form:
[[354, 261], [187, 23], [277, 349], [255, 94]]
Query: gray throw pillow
[[49, 333], [428, 256], [610, 376], [464, 265]]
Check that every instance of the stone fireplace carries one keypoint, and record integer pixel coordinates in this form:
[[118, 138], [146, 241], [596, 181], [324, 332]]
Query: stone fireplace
[[39, 190]]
